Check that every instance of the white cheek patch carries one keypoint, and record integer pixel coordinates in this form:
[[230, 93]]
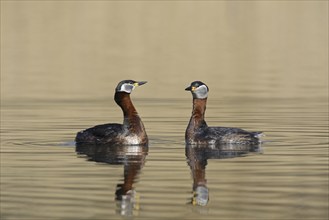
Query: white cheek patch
[[201, 92], [127, 88]]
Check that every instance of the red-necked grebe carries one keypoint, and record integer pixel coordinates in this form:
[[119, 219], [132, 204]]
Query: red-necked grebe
[[131, 132], [199, 133]]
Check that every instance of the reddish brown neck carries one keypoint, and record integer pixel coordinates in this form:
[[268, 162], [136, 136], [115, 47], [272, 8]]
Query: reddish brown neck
[[198, 112], [124, 101], [131, 118]]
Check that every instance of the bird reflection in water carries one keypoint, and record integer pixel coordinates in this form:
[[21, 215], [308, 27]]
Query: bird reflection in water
[[132, 158], [197, 158]]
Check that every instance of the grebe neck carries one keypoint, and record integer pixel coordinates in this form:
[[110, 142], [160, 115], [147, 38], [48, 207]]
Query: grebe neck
[[198, 113], [129, 112]]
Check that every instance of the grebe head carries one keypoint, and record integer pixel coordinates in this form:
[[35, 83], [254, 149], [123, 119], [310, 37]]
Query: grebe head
[[198, 89], [128, 86]]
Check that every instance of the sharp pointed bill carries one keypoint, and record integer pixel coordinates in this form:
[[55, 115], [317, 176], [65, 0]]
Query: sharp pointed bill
[[141, 83]]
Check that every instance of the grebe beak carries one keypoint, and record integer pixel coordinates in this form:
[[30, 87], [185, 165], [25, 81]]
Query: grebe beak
[[189, 88], [140, 83]]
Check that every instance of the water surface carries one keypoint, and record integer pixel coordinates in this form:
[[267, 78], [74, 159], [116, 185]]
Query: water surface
[[286, 178]]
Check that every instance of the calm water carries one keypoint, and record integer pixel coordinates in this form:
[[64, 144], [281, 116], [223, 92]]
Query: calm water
[[267, 68], [285, 178]]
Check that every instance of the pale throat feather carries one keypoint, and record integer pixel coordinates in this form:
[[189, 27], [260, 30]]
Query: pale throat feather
[[201, 92]]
